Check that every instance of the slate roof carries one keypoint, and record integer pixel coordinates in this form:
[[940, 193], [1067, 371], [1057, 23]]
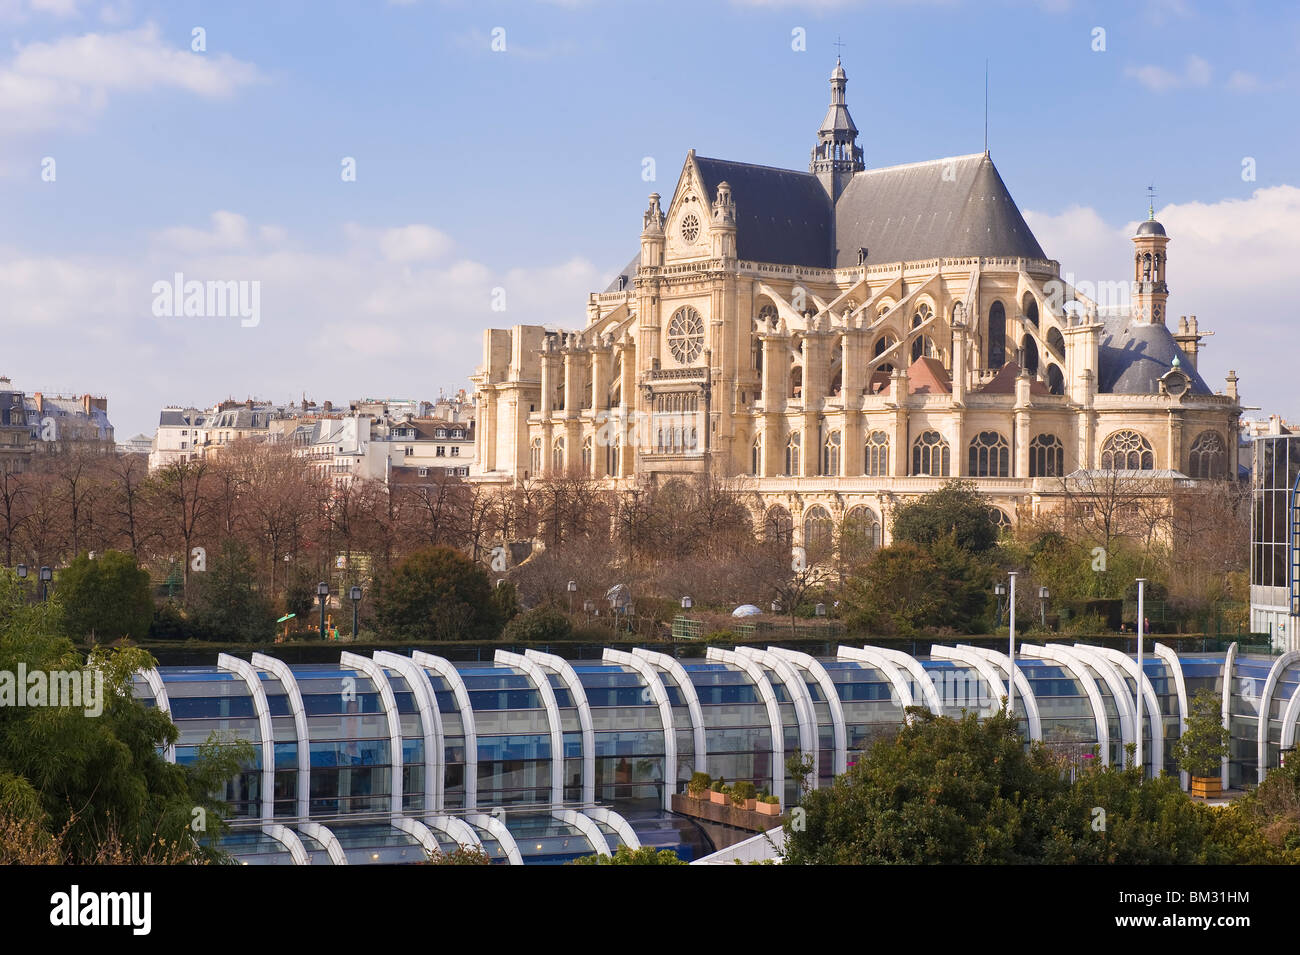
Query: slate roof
[[944, 207], [1134, 356]]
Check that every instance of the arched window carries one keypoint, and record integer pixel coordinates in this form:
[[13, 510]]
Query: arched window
[[1030, 349], [997, 336], [756, 456], [612, 457], [817, 532], [1056, 340], [831, 454], [767, 315], [989, 455], [999, 517], [876, 463], [859, 534], [792, 446], [1207, 458], [779, 526], [796, 382], [1046, 456], [1029, 305], [930, 455], [883, 342], [1055, 380], [586, 456], [1127, 451], [536, 456], [557, 456], [923, 346]]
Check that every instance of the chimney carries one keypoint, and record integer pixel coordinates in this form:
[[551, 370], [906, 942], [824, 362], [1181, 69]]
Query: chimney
[[329, 406]]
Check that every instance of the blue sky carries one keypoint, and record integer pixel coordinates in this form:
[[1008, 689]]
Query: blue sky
[[522, 168]]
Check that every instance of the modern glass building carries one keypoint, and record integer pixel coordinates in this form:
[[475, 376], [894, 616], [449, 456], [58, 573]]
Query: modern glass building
[[1275, 540], [536, 759]]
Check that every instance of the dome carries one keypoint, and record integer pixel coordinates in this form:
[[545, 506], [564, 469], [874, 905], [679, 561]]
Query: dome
[[1151, 227]]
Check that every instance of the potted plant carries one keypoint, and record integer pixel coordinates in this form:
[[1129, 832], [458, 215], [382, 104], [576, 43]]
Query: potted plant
[[719, 792], [768, 806], [744, 794], [699, 785], [1204, 744]]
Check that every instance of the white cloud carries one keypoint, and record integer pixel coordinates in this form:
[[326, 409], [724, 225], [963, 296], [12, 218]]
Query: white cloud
[[414, 243], [63, 82], [1196, 73], [1231, 263], [229, 231]]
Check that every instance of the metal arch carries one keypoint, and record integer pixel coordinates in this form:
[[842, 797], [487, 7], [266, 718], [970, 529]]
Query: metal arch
[[587, 827], [289, 839], [872, 657], [934, 702], [540, 680], [579, 694], [458, 829], [1119, 692], [765, 692], [833, 702], [154, 679], [325, 837], [686, 688], [1176, 668], [245, 670], [1003, 662], [626, 834], [460, 693], [1275, 672], [280, 670], [982, 666], [1156, 717], [1062, 656], [421, 832], [499, 831], [435, 752], [804, 713], [1289, 717], [379, 678], [1229, 660], [659, 693]]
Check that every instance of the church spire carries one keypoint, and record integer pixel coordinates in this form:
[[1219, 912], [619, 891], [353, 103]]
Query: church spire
[[837, 155]]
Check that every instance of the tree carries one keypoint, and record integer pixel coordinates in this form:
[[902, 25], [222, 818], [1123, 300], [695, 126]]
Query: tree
[[107, 598], [540, 625], [183, 506], [228, 604], [646, 855], [1204, 743], [437, 594], [905, 588], [956, 510]]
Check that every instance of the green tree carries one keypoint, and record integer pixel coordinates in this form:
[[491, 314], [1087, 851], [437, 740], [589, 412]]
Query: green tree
[[1204, 743], [956, 510], [107, 598], [905, 588], [228, 605], [539, 625], [437, 594], [646, 855]]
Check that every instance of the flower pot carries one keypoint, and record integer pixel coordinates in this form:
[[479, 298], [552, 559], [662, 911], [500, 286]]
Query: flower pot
[[1207, 787], [750, 804], [720, 799], [768, 808]]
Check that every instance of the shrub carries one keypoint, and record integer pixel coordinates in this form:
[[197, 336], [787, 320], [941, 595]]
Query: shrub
[[540, 625], [742, 791], [109, 597], [437, 594], [699, 784]]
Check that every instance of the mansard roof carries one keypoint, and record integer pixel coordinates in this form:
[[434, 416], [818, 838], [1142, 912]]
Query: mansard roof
[[1134, 356], [944, 207]]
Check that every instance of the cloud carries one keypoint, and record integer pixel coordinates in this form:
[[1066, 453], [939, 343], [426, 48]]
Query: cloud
[[1231, 264], [356, 311], [67, 81], [1196, 73]]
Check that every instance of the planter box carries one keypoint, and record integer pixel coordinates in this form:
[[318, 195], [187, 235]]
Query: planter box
[[720, 799], [1207, 787], [768, 808]]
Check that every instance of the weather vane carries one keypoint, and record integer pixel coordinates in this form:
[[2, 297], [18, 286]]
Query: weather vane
[[1151, 200]]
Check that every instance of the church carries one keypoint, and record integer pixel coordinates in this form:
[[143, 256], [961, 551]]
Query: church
[[841, 339]]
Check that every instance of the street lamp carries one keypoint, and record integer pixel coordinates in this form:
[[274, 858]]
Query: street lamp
[[1043, 594], [1141, 623], [1011, 614], [355, 595], [776, 606], [573, 589], [322, 593], [46, 576], [686, 602], [820, 610], [22, 571], [1000, 591]]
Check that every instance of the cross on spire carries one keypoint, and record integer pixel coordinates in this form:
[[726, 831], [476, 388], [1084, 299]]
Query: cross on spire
[[838, 45]]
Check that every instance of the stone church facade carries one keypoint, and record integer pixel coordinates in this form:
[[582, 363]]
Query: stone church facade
[[840, 339]]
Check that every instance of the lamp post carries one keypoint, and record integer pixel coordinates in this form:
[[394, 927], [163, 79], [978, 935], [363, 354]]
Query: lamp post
[[1011, 683], [687, 603], [819, 610], [355, 595], [1000, 591], [322, 594], [573, 589], [46, 576], [1141, 582], [1043, 594]]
